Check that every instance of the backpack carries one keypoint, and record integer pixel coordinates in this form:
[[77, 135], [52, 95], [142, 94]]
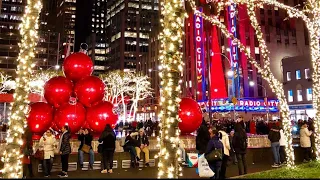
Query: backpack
[[243, 143]]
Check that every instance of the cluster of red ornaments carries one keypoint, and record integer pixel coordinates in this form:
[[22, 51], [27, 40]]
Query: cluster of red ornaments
[[75, 100]]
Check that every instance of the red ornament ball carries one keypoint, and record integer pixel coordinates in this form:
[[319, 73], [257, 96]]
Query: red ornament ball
[[58, 90], [40, 117], [100, 115], [77, 66], [89, 90], [71, 115], [190, 115]]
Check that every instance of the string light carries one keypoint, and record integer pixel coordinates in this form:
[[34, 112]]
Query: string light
[[265, 71], [172, 22], [310, 14], [19, 109]]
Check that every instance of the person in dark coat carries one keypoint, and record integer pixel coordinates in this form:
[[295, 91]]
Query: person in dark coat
[[129, 146], [108, 140], [274, 137], [202, 138], [27, 152], [85, 138], [213, 144], [65, 150], [239, 143]]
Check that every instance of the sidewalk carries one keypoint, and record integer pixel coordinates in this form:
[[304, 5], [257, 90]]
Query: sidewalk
[[152, 172]]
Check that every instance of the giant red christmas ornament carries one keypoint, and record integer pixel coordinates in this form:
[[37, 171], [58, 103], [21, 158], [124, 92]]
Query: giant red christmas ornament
[[71, 115], [77, 66], [58, 90], [40, 117], [190, 115], [89, 90], [100, 115]]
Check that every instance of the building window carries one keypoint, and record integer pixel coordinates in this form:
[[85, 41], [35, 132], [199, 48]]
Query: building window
[[288, 76], [298, 74], [309, 94], [299, 95], [290, 96], [307, 73]]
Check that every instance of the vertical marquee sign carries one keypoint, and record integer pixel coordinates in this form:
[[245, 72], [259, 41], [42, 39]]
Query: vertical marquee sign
[[200, 64], [234, 58]]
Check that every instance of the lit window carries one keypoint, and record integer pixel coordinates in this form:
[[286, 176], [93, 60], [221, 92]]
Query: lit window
[[288, 76], [298, 74], [290, 96], [13, 8], [309, 94], [307, 73], [299, 95]]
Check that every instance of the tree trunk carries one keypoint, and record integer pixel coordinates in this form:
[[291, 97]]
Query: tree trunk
[[315, 49], [17, 122], [171, 59]]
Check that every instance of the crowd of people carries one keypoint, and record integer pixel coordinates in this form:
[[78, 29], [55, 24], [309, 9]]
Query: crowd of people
[[212, 137], [134, 143]]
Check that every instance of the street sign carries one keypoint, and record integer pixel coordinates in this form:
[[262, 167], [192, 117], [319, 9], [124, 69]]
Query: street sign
[[234, 100]]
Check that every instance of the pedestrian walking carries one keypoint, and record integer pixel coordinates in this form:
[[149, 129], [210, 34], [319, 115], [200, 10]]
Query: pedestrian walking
[[27, 152], [226, 147]]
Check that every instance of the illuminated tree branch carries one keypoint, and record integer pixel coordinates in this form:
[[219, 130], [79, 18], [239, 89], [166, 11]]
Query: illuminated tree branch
[[266, 73]]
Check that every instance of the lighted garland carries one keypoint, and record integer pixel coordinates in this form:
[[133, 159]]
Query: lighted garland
[[310, 14], [275, 85], [19, 109], [172, 22]]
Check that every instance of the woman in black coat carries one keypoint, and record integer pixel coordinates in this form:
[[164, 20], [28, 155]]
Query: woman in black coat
[[65, 150], [202, 138], [239, 143], [85, 138], [108, 140]]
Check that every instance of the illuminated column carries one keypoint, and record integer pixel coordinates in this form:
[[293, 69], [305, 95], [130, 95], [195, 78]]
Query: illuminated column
[[17, 122], [172, 22]]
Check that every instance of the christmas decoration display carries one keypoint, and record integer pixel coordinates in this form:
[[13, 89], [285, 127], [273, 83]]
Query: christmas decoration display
[[68, 97], [100, 115], [20, 107], [72, 115], [58, 90], [190, 114], [89, 90], [77, 66], [40, 118]]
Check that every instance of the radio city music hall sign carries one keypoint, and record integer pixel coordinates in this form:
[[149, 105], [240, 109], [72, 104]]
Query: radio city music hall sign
[[233, 30], [199, 46], [242, 102]]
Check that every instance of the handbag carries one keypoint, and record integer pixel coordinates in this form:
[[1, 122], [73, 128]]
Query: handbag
[[39, 154], [85, 148], [100, 148], [204, 169], [215, 155]]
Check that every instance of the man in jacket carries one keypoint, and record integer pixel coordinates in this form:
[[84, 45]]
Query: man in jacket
[[85, 138], [239, 143], [143, 144], [274, 137], [214, 144]]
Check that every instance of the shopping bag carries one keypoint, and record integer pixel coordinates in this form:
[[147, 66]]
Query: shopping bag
[[204, 169], [192, 159]]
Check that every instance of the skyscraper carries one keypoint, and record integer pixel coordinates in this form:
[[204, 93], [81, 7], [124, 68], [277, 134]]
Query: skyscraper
[[129, 24], [10, 18], [65, 24]]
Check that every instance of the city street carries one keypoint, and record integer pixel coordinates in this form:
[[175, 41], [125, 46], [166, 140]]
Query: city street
[[142, 173]]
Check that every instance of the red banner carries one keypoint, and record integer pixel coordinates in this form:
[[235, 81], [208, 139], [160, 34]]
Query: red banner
[[7, 98]]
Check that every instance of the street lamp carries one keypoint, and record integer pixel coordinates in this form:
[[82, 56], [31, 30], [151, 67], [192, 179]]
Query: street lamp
[[230, 73], [251, 83]]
